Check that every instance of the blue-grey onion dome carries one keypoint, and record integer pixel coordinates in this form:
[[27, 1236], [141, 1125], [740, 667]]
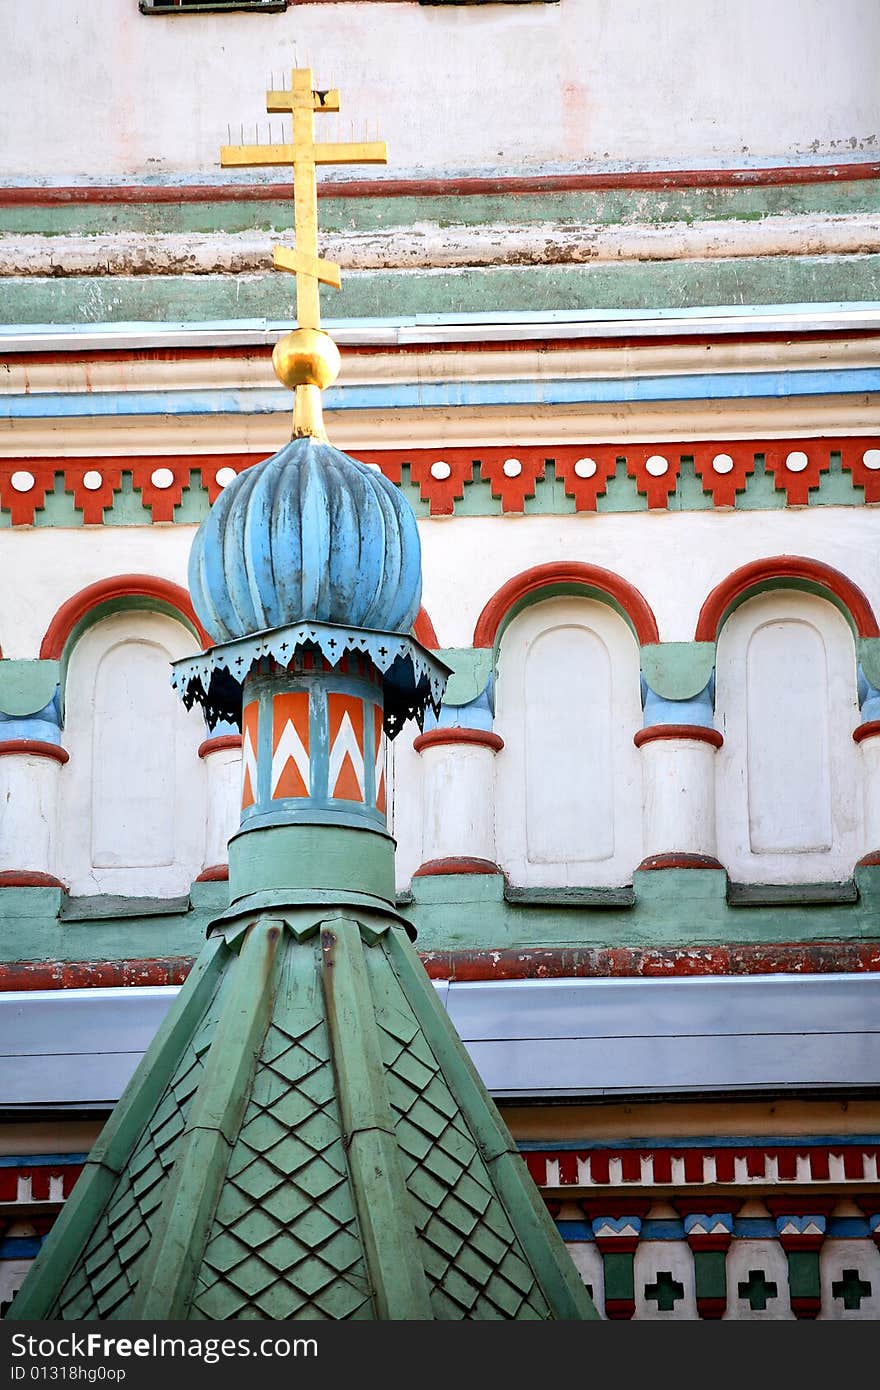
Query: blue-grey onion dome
[[307, 535]]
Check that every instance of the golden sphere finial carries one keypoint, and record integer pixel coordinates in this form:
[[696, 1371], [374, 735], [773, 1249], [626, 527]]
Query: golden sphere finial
[[306, 357]]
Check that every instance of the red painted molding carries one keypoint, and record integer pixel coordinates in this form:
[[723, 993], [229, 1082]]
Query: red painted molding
[[36, 747], [463, 865], [566, 572], [94, 974], [458, 188], [657, 489], [792, 1204], [259, 353], [105, 590], [215, 745], [797, 567], [869, 861], [617, 962], [797, 486], [869, 730], [434, 738], [679, 859], [27, 878], [695, 733], [806, 1306], [767, 1161], [216, 873], [620, 1309], [532, 963], [513, 491], [423, 630], [710, 1308], [696, 1206]]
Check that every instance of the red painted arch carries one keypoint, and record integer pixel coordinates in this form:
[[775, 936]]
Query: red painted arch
[[573, 572], [105, 591], [423, 630], [738, 584]]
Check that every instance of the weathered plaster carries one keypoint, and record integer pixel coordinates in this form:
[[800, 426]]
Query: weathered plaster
[[465, 289], [429, 246], [808, 86]]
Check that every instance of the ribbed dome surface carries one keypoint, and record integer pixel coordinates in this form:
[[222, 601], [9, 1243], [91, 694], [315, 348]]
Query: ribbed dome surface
[[309, 534]]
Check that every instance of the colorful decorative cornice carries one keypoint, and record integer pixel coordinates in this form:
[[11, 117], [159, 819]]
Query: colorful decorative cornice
[[731, 1163], [483, 480]]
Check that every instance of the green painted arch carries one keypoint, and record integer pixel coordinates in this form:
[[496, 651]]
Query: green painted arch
[[564, 579], [786, 572], [122, 593]]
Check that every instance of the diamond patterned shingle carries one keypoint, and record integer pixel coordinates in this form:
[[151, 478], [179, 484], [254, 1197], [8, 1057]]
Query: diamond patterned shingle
[[285, 1241], [473, 1258], [104, 1280]]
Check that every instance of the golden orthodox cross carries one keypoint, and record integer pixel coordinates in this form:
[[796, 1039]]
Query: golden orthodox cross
[[305, 154]]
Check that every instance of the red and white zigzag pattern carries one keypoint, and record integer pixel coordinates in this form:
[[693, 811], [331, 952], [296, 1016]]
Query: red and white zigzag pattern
[[249, 755], [345, 774]]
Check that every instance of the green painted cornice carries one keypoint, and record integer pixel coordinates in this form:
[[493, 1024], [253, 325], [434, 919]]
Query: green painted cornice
[[380, 210], [667, 908], [26, 687], [32, 299], [471, 670], [869, 659], [678, 670]]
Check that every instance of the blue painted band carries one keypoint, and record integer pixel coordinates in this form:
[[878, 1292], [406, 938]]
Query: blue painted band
[[42, 730], [745, 1228], [20, 1247], [444, 395], [812, 1141], [40, 1160]]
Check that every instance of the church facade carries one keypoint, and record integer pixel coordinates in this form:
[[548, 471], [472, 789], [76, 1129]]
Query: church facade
[[610, 321]]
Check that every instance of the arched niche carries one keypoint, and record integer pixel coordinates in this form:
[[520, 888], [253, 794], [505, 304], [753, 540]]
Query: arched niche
[[788, 794], [568, 790], [133, 807]]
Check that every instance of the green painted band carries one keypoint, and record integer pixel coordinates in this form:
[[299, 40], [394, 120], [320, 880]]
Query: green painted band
[[311, 859]]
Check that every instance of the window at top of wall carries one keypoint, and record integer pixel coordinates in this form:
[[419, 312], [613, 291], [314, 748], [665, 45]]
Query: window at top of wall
[[170, 7], [209, 6]]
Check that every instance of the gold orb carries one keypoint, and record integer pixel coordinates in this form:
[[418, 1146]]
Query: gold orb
[[306, 357]]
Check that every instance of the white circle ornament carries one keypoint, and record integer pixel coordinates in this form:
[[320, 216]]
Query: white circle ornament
[[92, 480], [722, 463], [585, 468], [225, 476], [657, 465], [440, 470], [22, 481], [511, 468], [796, 461], [162, 478], [871, 458]]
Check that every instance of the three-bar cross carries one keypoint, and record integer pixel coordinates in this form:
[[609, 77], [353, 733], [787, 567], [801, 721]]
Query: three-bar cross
[[305, 154]]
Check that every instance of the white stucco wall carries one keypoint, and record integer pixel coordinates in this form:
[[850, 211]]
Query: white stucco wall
[[100, 91], [673, 558]]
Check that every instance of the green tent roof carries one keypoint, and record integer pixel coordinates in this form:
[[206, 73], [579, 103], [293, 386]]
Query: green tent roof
[[305, 1138]]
